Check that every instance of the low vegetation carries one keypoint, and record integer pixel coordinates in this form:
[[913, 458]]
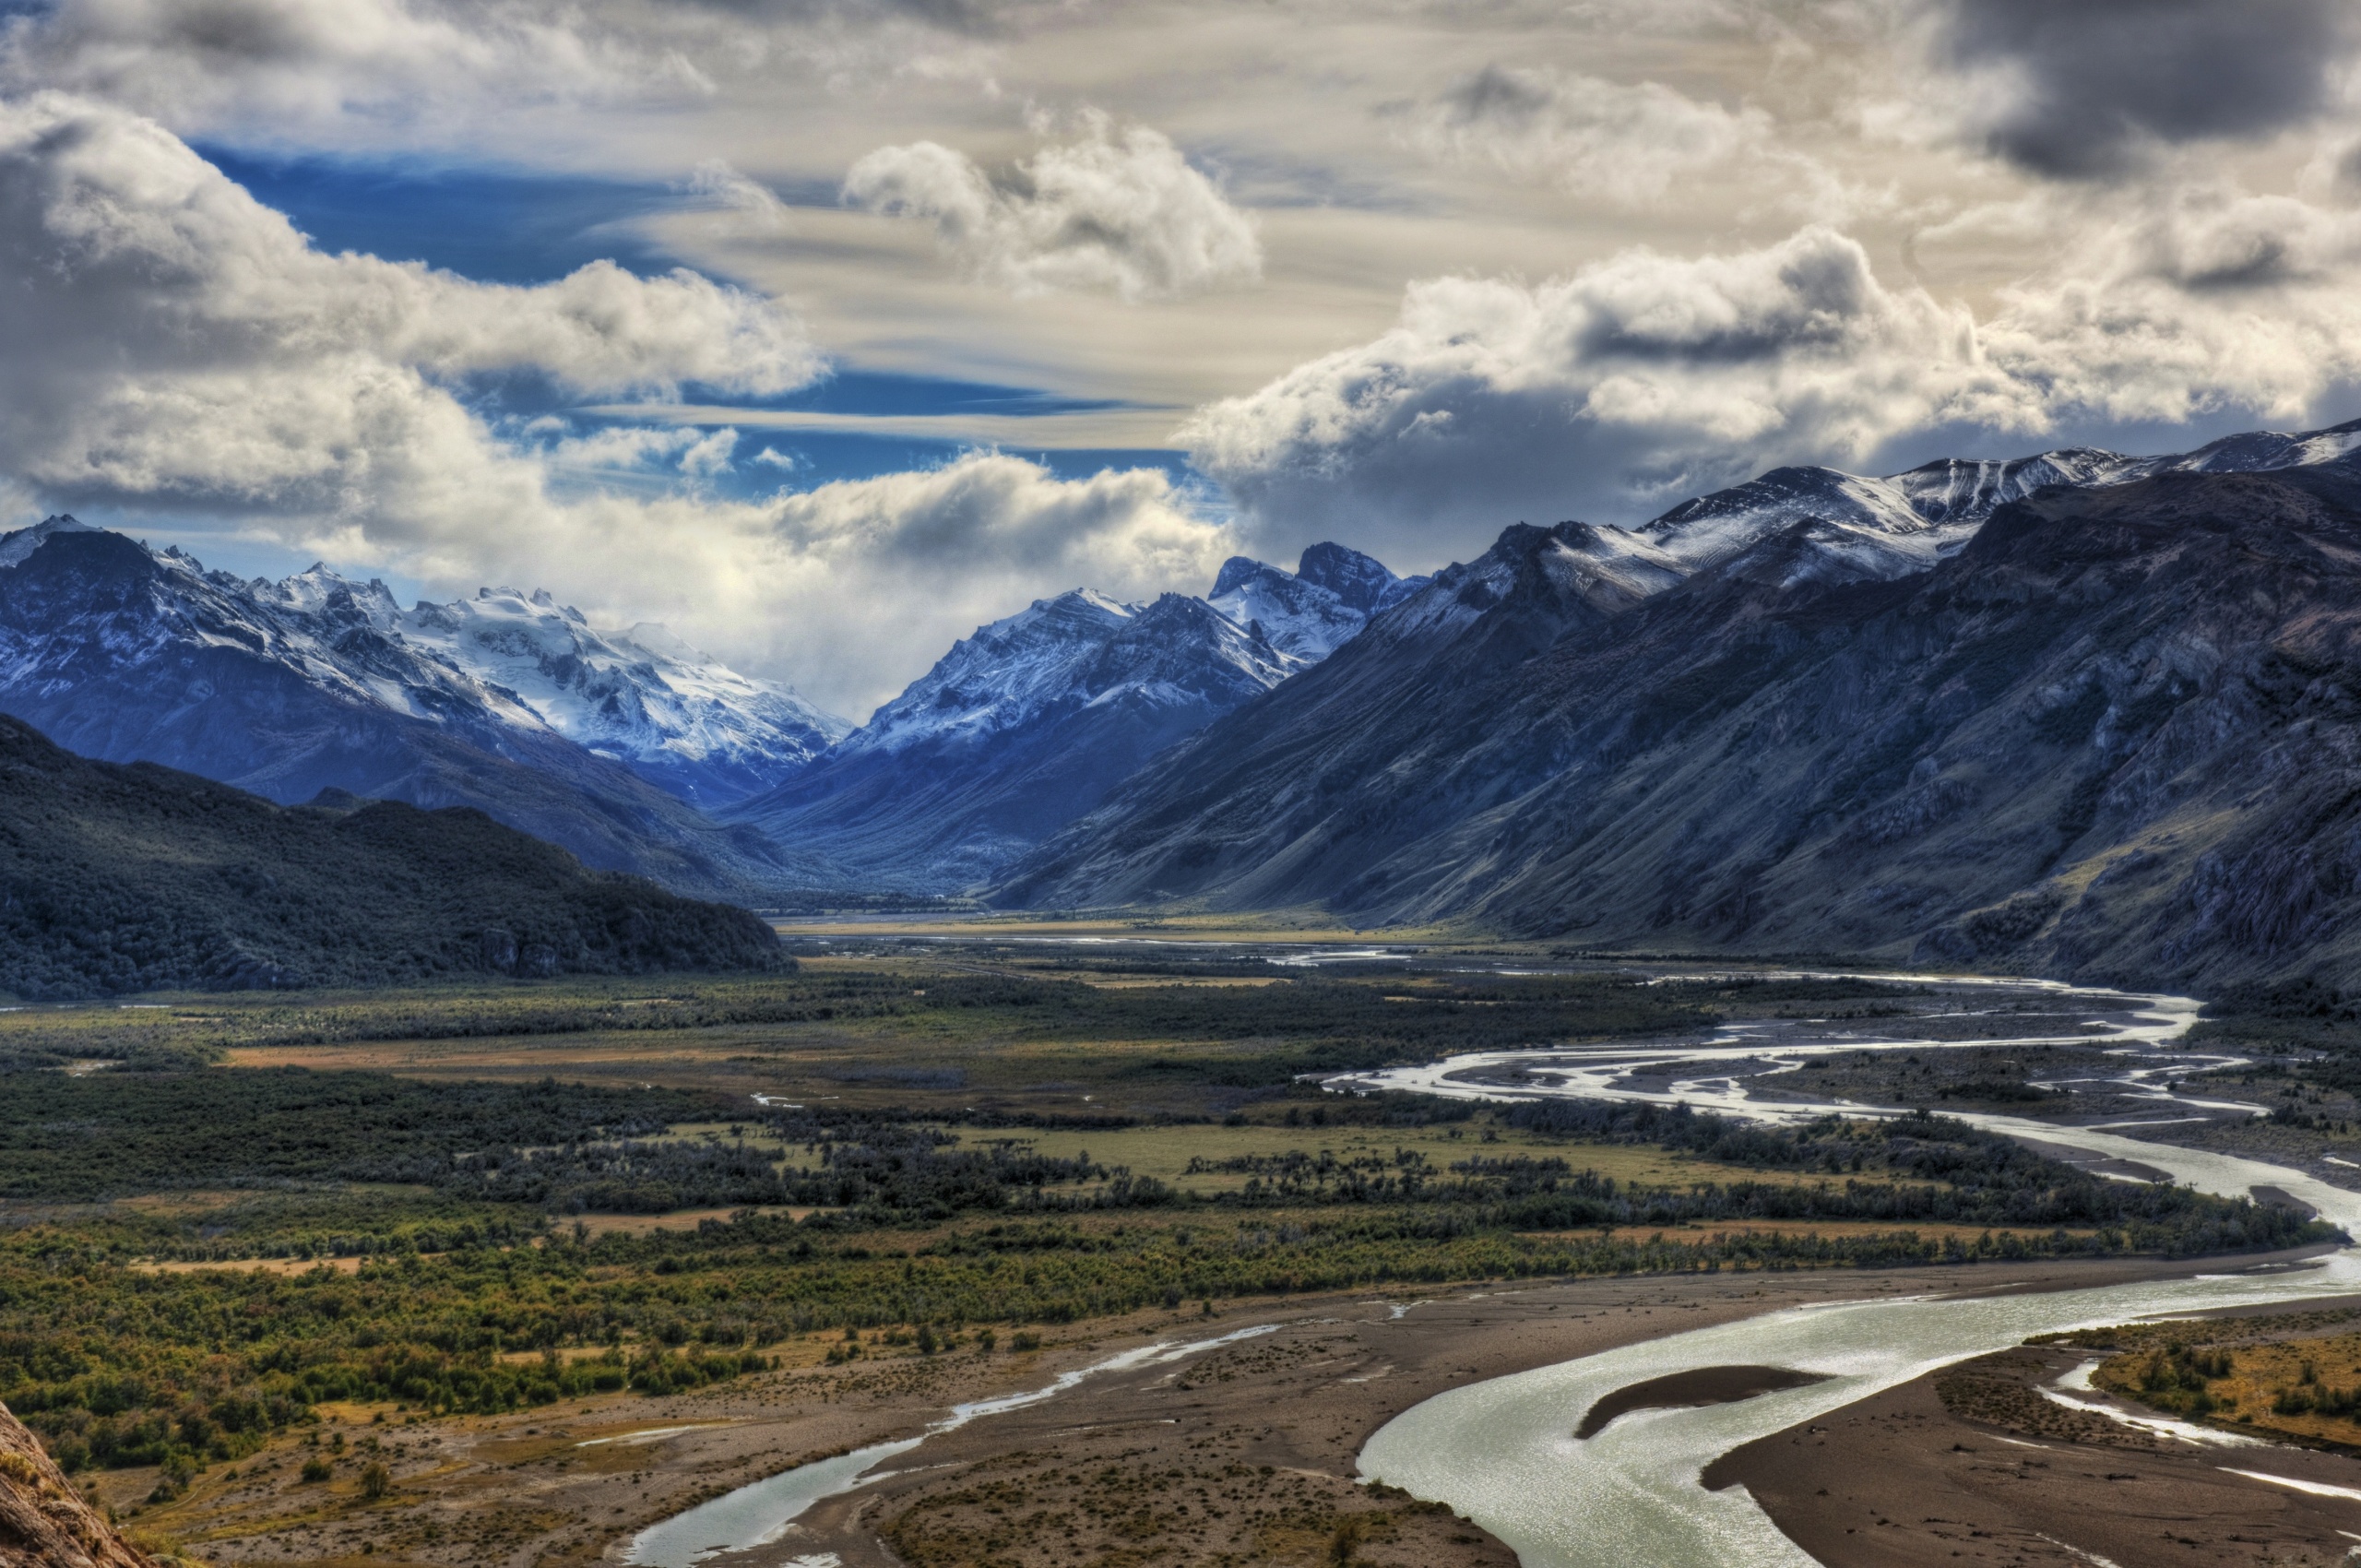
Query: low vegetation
[[2295, 1376], [124, 879]]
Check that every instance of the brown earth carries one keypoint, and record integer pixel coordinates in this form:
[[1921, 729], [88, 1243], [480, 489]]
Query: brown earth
[[1971, 1464]]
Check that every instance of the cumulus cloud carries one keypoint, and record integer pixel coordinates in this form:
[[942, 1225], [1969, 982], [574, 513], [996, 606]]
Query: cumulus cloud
[[2088, 88], [1645, 379], [852, 590], [165, 332], [1115, 211], [171, 345], [1641, 378], [1627, 143]]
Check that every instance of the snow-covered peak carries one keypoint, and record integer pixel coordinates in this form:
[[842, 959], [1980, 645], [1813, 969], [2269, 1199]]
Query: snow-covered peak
[[1001, 676], [319, 591], [1310, 611], [1905, 522], [676, 716], [506, 662], [1300, 617], [1969, 490], [1716, 527], [1603, 564], [1359, 581], [15, 545]]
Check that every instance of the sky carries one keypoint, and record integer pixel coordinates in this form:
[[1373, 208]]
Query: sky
[[824, 331]]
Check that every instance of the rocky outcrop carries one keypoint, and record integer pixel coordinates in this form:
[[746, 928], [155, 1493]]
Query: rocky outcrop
[[43, 1521]]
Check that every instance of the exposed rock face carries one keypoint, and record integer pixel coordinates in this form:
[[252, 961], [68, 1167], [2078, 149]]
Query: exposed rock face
[[43, 1522], [2116, 736]]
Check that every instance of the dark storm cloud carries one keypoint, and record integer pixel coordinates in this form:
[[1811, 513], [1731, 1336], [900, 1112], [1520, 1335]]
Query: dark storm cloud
[[2094, 84]]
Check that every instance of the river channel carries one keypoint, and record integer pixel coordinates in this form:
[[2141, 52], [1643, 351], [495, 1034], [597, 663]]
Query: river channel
[[1502, 1453]]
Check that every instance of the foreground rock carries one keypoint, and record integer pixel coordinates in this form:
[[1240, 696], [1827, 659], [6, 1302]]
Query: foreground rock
[[43, 1523]]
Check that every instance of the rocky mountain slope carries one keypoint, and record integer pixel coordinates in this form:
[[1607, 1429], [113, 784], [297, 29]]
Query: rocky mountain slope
[[1028, 724], [317, 683], [117, 879], [2116, 734], [44, 1523], [1015, 731]]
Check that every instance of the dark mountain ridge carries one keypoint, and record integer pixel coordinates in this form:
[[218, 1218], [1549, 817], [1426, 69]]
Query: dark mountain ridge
[[127, 878], [2115, 736]]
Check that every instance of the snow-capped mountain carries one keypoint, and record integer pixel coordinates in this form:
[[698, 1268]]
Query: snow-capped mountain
[[128, 654], [1015, 731], [1854, 526], [675, 715], [1310, 611], [1025, 725], [2000, 759]]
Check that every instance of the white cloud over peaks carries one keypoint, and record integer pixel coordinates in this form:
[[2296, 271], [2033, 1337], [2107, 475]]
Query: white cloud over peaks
[[2190, 303], [852, 590], [1627, 143], [168, 339], [1641, 378], [168, 344], [1118, 211]]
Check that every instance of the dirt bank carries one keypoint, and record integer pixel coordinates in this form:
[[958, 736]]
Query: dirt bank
[[1907, 1478]]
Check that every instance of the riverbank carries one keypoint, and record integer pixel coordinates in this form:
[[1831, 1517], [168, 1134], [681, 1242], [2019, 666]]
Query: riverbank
[[1247, 1453], [1973, 1464], [1268, 1427]]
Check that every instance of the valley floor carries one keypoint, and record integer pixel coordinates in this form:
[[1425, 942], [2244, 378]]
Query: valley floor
[[1242, 1454]]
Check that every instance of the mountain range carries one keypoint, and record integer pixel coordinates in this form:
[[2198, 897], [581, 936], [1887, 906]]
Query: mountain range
[[2077, 715], [2078, 712], [1028, 724], [599, 744]]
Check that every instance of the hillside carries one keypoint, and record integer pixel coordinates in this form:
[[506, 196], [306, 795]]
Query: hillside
[[2114, 736], [127, 878], [286, 689]]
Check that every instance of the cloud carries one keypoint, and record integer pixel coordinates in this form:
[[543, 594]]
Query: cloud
[[372, 73], [730, 191], [1627, 143], [1642, 379], [2088, 88], [167, 334], [170, 346], [1645, 379], [852, 590], [1120, 212]]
